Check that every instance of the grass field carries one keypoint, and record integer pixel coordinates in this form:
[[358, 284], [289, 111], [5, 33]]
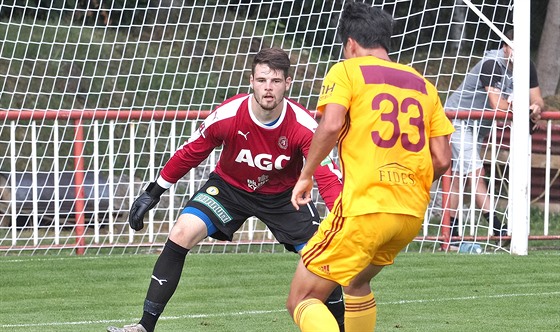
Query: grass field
[[246, 292]]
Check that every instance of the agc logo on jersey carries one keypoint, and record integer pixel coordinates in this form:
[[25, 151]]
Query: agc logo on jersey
[[262, 161]]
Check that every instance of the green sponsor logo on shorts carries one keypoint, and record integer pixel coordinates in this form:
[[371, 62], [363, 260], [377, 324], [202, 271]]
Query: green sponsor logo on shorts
[[214, 206]]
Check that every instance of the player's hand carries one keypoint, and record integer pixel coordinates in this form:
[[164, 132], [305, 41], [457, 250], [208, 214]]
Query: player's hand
[[301, 194], [534, 118], [143, 204], [535, 113]]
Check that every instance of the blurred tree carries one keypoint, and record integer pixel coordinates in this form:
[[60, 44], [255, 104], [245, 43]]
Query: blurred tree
[[116, 13], [548, 63]]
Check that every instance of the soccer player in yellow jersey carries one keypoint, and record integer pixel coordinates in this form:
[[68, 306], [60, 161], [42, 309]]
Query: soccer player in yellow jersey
[[393, 142]]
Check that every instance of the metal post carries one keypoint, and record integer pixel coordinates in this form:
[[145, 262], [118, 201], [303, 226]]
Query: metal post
[[520, 139]]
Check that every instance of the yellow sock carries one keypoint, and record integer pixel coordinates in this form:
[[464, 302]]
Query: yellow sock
[[313, 315], [360, 314]]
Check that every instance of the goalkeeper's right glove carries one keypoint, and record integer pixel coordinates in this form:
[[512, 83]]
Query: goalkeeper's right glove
[[144, 203]]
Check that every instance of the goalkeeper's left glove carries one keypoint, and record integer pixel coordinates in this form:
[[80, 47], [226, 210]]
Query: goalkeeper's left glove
[[144, 203]]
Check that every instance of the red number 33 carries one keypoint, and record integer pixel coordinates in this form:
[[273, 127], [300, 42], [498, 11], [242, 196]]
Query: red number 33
[[392, 117]]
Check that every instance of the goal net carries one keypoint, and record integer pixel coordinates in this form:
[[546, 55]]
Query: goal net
[[97, 95]]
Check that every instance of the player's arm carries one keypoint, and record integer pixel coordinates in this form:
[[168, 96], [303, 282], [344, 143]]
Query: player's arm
[[329, 181], [497, 102], [324, 140], [536, 108], [440, 130], [536, 99], [535, 96], [190, 155], [491, 76], [441, 155]]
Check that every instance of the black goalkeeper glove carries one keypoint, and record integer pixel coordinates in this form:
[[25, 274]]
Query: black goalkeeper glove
[[144, 203]]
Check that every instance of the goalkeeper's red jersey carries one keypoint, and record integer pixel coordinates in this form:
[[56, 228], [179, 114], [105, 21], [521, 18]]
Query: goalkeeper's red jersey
[[255, 157]]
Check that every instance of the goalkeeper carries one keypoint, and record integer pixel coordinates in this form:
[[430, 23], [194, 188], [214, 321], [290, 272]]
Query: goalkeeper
[[265, 138]]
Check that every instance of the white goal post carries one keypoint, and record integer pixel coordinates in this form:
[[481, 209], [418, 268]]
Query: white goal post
[[97, 95]]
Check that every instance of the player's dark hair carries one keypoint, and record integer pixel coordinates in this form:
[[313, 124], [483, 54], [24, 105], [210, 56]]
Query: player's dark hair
[[509, 35], [275, 58], [370, 27]]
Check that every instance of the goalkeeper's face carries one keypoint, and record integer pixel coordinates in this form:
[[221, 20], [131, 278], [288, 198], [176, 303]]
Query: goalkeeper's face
[[269, 87]]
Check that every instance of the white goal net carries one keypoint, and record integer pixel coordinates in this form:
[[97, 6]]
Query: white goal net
[[95, 96]]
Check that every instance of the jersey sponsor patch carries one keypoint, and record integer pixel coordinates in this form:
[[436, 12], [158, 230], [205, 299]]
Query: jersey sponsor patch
[[327, 91], [212, 191], [262, 161], [254, 185], [396, 174], [214, 206]]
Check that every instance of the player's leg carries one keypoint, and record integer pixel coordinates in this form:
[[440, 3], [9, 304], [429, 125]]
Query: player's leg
[[361, 308], [305, 303], [453, 203], [185, 234], [335, 301], [294, 228], [482, 197], [387, 234], [462, 151], [333, 256], [335, 304], [202, 217], [188, 231]]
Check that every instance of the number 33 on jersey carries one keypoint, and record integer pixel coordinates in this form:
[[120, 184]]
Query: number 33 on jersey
[[393, 112]]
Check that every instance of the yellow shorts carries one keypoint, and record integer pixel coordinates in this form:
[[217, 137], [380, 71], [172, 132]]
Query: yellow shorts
[[344, 246]]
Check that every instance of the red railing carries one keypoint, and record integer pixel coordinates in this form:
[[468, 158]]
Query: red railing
[[79, 141], [445, 237], [78, 147]]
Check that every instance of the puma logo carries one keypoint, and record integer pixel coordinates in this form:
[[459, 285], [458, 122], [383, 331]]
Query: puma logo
[[243, 134], [335, 301], [160, 281], [315, 223]]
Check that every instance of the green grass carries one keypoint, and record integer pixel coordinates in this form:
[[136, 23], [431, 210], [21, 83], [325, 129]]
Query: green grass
[[246, 292]]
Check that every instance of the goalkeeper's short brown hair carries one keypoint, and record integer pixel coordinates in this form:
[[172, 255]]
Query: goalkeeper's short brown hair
[[275, 58]]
